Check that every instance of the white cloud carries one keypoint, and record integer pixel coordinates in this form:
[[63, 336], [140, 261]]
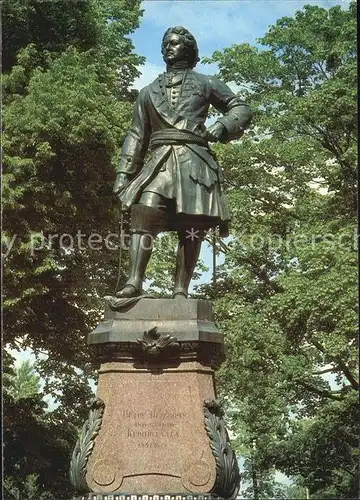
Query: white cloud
[[225, 22], [206, 20]]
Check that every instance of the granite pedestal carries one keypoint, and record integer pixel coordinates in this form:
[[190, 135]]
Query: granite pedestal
[[155, 428]]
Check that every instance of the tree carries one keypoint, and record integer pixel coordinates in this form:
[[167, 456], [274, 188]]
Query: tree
[[294, 491], [68, 72], [24, 382], [285, 296], [37, 446], [67, 94]]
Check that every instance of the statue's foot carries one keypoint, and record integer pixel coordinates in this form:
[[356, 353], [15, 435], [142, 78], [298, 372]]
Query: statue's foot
[[128, 291]]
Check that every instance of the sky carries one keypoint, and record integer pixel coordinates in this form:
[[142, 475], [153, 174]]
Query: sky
[[216, 24]]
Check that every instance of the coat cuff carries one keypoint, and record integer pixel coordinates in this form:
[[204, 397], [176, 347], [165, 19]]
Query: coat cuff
[[232, 129], [235, 122], [128, 166]]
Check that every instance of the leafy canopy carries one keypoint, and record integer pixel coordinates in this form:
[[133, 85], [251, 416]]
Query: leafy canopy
[[69, 68], [285, 295]]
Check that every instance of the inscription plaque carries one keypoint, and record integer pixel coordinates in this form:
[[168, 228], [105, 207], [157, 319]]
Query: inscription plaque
[[152, 429]]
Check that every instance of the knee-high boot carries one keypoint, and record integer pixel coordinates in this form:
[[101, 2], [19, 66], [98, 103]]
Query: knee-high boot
[[146, 223], [187, 257], [140, 253]]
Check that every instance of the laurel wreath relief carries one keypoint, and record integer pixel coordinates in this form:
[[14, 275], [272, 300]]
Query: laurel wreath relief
[[84, 446], [227, 482]]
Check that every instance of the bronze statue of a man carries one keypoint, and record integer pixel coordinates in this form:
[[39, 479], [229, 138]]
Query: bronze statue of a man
[[177, 187]]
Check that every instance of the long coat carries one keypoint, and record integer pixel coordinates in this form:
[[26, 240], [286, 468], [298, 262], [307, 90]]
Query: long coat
[[186, 173]]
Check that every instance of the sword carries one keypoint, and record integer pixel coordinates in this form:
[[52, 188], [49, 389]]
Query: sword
[[213, 258], [211, 239], [121, 227]]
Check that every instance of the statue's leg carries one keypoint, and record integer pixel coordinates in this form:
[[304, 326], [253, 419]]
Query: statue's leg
[[148, 219], [187, 257]]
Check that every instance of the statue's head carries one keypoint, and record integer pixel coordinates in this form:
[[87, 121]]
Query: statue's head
[[178, 44]]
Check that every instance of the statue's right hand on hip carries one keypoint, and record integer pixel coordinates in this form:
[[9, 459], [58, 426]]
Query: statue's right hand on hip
[[122, 180], [215, 132]]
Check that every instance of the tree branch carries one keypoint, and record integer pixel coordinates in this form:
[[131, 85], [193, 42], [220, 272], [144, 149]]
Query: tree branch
[[326, 370], [346, 371], [354, 474], [321, 392], [263, 276], [223, 246], [322, 71]]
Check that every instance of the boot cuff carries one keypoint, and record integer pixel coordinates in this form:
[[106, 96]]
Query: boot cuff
[[146, 219]]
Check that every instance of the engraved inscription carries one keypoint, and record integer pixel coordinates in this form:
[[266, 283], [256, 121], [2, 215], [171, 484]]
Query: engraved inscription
[[154, 428]]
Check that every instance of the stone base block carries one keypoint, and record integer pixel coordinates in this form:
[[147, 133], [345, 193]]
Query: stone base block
[[152, 435], [139, 334], [187, 320]]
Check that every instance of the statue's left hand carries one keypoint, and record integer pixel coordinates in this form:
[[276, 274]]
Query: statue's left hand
[[216, 132]]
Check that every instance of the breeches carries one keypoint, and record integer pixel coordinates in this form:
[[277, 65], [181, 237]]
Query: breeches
[[162, 213]]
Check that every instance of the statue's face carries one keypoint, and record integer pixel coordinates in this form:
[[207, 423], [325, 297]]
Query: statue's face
[[173, 48]]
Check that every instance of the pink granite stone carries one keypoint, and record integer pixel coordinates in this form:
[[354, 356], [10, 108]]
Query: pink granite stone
[[152, 437]]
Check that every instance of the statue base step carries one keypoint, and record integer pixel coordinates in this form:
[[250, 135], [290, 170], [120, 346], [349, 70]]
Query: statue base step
[[158, 496]]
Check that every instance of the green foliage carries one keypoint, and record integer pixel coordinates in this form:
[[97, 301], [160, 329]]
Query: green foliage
[[30, 491], [35, 33], [296, 492], [325, 451], [68, 72], [24, 383], [66, 114], [34, 440], [161, 269], [285, 296], [51, 27]]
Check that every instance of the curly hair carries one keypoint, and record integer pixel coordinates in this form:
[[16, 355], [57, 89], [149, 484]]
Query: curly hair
[[189, 41]]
